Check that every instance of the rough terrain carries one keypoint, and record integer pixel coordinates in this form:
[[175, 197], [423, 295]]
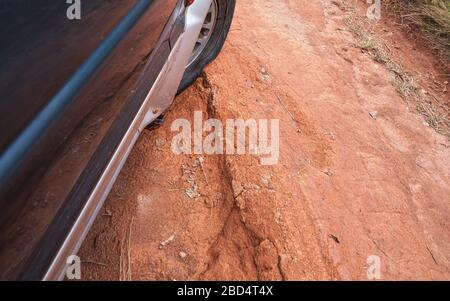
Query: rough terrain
[[360, 171]]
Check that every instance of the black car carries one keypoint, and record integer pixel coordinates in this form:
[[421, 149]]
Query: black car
[[79, 81]]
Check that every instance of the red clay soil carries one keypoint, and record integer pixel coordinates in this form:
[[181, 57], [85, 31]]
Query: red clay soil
[[347, 186]]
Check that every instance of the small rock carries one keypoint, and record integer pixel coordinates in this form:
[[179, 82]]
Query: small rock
[[192, 192], [373, 114], [167, 241], [160, 142], [332, 136], [328, 173], [183, 255], [266, 78]]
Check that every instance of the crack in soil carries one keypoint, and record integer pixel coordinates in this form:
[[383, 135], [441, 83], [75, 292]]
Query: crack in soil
[[210, 91]]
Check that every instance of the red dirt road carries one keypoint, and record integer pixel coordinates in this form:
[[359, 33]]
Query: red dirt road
[[347, 186]]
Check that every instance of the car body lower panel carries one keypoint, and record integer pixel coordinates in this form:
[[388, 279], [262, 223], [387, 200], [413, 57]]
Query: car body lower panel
[[67, 147]]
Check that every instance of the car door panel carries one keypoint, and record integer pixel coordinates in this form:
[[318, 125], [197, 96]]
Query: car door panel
[[53, 178]]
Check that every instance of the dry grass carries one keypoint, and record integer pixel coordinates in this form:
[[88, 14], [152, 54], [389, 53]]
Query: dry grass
[[430, 17], [404, 83], [125, 255]]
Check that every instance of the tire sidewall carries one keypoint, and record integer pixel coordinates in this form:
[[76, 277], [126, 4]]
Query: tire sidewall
[[212, 49]]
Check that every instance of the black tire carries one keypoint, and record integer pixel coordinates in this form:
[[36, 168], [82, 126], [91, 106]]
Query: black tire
[[212, 49]]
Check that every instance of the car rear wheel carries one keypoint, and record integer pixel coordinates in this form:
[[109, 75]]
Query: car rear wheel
[[210, 41]]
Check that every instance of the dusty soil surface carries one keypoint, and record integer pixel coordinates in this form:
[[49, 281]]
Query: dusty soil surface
[[347, 185]]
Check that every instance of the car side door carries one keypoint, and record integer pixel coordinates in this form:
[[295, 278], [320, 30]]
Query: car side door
[[68, 70]]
